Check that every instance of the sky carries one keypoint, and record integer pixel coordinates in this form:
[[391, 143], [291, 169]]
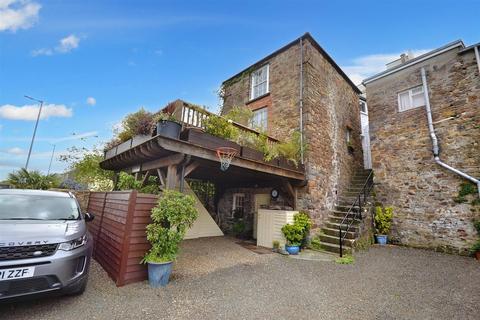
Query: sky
[[92, 62]]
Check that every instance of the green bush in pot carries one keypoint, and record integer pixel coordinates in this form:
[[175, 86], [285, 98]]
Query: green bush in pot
[[171, 218]]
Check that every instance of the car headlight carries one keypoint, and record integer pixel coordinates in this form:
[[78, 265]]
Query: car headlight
[[70, 245]]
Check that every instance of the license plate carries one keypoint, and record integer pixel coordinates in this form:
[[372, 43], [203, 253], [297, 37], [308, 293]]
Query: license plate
[[16, 273]]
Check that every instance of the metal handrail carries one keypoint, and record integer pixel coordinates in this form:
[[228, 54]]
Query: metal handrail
[[365, 192]]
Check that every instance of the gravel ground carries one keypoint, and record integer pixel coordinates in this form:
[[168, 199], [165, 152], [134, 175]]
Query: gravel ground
[[218, 279]]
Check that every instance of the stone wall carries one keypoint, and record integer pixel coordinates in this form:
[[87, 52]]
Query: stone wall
[[282, 100], [225, 205], [407, 177], [331, 106]]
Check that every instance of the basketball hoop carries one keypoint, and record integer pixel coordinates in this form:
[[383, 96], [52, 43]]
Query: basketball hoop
[[226, 154]]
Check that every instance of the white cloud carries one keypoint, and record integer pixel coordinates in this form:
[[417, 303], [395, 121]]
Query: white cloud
[[91, 101], [30, 112], [366, 66], [16, 151], [65, 45], [18, 14]]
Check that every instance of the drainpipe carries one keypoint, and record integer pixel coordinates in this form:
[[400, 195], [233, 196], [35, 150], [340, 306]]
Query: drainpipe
[[477, 57], [433, 136], [301, 101]]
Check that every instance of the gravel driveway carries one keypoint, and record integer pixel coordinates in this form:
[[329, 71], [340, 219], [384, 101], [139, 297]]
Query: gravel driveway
[[218, 279]]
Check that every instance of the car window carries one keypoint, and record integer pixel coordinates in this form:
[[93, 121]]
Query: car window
[[31, 207]]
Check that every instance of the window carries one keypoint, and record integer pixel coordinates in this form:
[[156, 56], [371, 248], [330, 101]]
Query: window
[[259, 119], [410, 99], [349, 136], [259, 80], [238, 203], [363, 106]]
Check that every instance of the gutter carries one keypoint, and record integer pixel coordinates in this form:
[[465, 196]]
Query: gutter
[[301, 102], [433, 136]]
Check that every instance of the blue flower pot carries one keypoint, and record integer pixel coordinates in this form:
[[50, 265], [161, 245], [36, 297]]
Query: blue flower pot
[[292, 249], [159, 273], [381, 239]]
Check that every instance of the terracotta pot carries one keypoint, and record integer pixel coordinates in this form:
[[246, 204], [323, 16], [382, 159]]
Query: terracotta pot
[[477, 255]]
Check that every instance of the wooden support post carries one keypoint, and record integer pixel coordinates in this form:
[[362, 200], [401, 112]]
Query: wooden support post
[[292, 192], [145, 178], [161, 178], [172, 177]]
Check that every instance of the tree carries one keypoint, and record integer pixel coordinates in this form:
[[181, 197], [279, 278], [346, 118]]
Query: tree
[[24, 179], [86, 169]]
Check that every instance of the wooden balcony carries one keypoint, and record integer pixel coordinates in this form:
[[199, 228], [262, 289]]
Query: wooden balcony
[[144, 153]]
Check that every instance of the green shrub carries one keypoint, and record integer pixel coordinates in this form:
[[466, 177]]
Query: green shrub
[[221, 127], [303, 220], [240, 115], [163, 116], [276, 245], [476, 224], [24, 179], [293, 233], [347, 259], [315, 243], [173, 215], [291, 148], [238, 227], [475, 248], [137, 123], [383, 219], [128, 182]]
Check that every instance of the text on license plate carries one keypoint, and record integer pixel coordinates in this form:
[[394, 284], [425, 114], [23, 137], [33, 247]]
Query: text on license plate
[[16, 273]]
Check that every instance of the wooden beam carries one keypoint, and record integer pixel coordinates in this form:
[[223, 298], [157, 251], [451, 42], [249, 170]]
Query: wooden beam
[[163, 162], [145, 178], [161, 178], [191, 167], [201, 152]]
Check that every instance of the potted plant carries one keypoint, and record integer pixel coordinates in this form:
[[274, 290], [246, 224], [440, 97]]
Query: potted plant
[[173, 215], [383, 223], [475, 250], [136, 126], [167, 125], [294, 235], [302, 220]]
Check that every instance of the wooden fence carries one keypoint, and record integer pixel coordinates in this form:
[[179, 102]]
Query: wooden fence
[[119, 235]]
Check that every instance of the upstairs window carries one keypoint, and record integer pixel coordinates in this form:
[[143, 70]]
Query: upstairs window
[[259, 119], [411, 99], [259, 81]]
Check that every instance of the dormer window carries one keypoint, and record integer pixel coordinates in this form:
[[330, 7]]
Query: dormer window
[[259, 82]]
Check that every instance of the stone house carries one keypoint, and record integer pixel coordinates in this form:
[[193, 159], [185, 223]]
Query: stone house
[[300, 87], [424, 192]]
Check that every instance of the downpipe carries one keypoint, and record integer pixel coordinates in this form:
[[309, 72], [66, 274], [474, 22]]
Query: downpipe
[[433, 136]]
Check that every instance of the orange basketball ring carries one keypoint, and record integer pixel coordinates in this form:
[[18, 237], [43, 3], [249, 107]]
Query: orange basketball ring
[[226, 154]]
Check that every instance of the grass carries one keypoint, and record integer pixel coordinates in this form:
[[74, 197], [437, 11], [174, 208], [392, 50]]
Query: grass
[[347, 259]]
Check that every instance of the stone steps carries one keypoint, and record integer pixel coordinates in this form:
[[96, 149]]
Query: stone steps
[[335, 233], [332, 247], [330, 231], [334, 240]]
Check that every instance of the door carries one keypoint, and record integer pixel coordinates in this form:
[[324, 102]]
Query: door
[[260, 199]]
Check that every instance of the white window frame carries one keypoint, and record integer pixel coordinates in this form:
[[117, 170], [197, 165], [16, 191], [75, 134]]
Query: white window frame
[[263, 126], [235, 202], [366, 107], [410, 98], [253, 85]]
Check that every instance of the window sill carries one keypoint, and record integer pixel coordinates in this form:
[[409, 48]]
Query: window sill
[[258, 98]]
